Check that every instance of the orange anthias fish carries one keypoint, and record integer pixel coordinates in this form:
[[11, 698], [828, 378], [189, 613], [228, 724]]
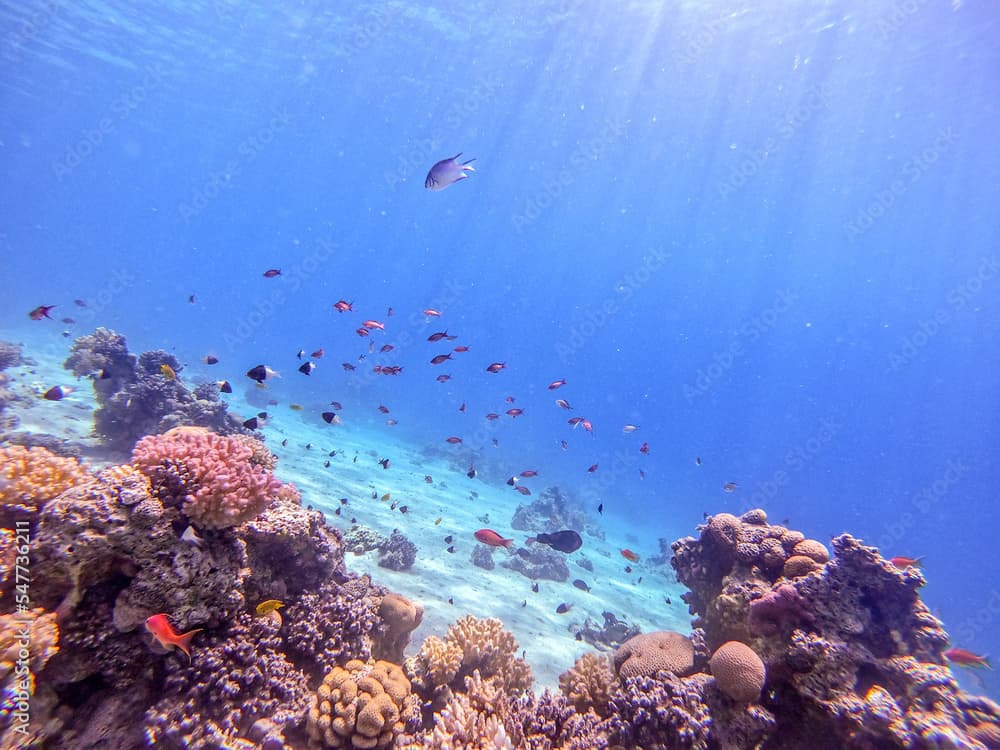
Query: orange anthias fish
[[906, 562], [630, 555], [493, 539], [161, 629], [965, 658]]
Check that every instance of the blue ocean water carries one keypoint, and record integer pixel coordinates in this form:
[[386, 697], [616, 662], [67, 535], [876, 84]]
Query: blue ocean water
[[764, 235]]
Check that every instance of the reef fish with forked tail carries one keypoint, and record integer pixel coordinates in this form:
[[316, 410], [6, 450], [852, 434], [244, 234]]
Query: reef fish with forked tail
[[447, 172], [564, 541], [161, 629]]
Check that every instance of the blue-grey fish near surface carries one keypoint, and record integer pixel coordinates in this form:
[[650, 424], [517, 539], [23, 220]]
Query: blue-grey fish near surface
[[447, 172]]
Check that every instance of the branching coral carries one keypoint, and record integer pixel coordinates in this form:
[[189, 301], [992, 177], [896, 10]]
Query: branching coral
[[212, 474], [31, 476], [589, 682], [361, 705]]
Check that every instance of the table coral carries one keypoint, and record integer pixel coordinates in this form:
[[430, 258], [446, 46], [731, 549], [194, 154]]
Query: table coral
[[212, 475], [361, 705]]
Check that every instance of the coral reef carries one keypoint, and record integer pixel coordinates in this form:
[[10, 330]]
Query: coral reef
[[538, 563], [10, 355], [397, 552], [551, 511], [211, 475], [482, 557], [361, 705], [612, 634], [134, 396], [108, 553], [361, 539]]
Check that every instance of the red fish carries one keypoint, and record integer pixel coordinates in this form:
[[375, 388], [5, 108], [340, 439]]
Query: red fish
[[383, 409], [529, 473], [492, 415], [965, 658], [496, 367], [453, 440], [432, 312], [630, 555], [318, 354], [585, 424], [515, 412], [373, 324], [574, 421], [343, 306], [509, 399], [557, 384], [523, 490], [168, 638], [443, 378], [493, 539], [592, 468], [386, 348], [461, 349], [347, 366], [729, 487], [563, 404], [440, 358], [440, 335], [272, 272], [361, 331], [644, 448], [42, 311], [906, 562]]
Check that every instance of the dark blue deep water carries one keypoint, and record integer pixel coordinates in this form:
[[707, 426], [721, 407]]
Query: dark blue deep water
[[766, 233]]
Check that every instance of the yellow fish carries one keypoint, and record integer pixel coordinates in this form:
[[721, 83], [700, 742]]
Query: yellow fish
[[295, 407], [168, 372], [271, 605], [386, 497], [438, 520]]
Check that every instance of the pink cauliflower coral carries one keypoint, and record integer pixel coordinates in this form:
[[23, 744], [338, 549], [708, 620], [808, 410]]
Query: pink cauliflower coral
[[210, 474]]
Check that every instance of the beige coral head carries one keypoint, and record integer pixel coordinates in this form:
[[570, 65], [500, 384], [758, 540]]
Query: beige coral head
[[589, 683], [401, 614], [738, 671], [813, 549], [646, 654]]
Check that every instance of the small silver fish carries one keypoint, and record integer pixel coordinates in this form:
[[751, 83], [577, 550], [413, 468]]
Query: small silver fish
[[190, 537], [447, 172]]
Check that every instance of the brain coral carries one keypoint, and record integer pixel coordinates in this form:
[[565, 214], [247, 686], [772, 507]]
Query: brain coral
[[738, 671], [811, 548], [361, 706], [31, 476], [646, 654], [213, 475]]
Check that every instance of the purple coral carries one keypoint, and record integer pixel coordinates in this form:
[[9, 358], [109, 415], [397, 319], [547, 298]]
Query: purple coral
[[778, 611], [397, 552]]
